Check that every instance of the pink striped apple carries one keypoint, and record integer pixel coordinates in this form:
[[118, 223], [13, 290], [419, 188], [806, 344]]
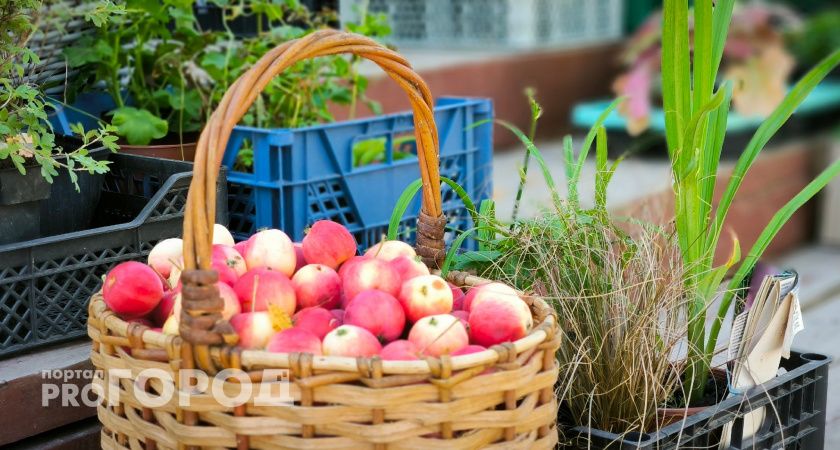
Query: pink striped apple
[[228, 263], [260, 287], [300, 260], [488, 290], [388, 250], [378, 312], [497, 319], [457, 297], [408, 268], [350, 340], [369, 274], [439, 335], [222, 236], [400, 350], [328, 243], [342, 270], [425, 295], [241, 247], [294, 340], [272, 249], [317, 285], [472, 348], [254, 329], [164, 309], [165, 254], [318, 321]]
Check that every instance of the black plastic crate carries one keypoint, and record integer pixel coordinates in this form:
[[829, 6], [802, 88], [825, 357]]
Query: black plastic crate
[[798, 423], [45, 283]]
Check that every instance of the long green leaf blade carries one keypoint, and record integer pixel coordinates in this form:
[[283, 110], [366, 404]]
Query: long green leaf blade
[[766, 237], [402, 206], [767, 130], [676, 81]]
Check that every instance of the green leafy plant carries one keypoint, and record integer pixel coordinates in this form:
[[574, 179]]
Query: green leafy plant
[[696, 113], [26, 138], [146, 60], [304, 93], [177, 72]]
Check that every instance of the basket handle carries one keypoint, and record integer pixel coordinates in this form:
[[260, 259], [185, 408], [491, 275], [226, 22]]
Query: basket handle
[[201, 323]]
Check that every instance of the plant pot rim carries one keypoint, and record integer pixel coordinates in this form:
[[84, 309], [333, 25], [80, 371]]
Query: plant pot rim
[[183, 151], [667, 416], [160, 146]]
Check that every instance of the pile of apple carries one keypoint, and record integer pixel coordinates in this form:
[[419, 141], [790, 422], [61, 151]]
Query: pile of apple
[[334, 302]]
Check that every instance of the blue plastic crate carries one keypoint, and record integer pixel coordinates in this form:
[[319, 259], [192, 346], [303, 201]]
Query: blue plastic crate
[[307, 174]]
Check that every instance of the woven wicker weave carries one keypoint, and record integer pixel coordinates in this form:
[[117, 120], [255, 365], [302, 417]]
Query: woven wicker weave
[[499, 398]]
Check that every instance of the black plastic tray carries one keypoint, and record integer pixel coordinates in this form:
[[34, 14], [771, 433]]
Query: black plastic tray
[[798, 397], [45, 283]]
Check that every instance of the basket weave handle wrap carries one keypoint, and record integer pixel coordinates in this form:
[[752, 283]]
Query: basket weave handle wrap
[[199, 328]]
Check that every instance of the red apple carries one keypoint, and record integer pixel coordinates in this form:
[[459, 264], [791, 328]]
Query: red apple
[[254, 329], [339, 315], [328, 243], [260, 287], [400, 350], [494, 320], [242, 248], [350, 340], [425, 295], [342, 271], [294, 340], [370, 274], [464, 317], [228, 263], [132, 289], [318, 321], [439, 335], [378, 312], [165, 254], [272, 249], [228, 296], [300, 260], [457, 297], [468, 349], [317, 285], [221, 235], [164, 308], [488, 290], [408, 268], [388, 250], [230, 299]]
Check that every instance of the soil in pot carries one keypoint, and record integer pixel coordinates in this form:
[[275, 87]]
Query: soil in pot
[[173, 146], [716, 390]]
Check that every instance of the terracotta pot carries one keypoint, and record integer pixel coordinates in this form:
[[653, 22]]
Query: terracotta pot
[[668, 416], [178, 151]]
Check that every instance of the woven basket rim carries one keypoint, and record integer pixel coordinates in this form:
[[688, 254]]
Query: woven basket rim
[[265, 359]]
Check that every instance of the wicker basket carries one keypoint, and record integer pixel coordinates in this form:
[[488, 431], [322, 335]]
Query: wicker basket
[[499, 398]]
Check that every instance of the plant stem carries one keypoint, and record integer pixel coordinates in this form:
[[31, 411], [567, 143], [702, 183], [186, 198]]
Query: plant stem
[[532, 131]]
